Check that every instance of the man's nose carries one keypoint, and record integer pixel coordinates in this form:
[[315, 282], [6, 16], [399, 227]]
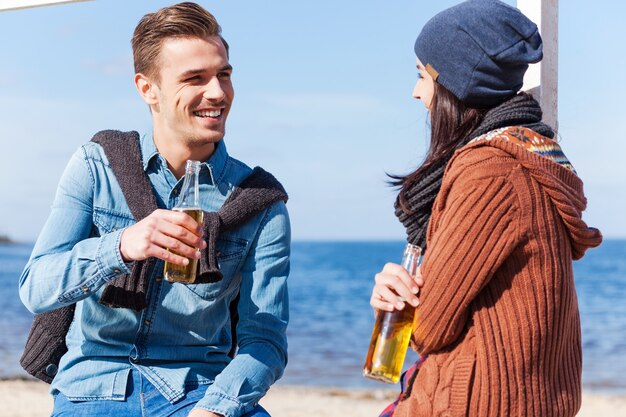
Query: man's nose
[[214, 90]]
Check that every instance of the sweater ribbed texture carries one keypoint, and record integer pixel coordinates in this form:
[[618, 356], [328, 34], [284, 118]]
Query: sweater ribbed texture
[[46, 344], [498, 313]]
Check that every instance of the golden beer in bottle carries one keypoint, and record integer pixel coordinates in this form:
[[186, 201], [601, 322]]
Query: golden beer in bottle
[[190, 205], [392, 332]]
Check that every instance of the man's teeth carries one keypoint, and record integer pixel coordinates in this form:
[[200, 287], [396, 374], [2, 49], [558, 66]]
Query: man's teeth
[[209, 113]]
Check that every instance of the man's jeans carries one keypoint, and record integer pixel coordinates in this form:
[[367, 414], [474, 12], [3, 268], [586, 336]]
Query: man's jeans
[[142, 400]]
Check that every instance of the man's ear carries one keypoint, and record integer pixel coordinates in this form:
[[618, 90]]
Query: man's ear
[[147, 89]]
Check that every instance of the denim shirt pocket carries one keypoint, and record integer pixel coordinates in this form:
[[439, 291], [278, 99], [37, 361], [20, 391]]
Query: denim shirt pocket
[[230, 254], [107, 220]]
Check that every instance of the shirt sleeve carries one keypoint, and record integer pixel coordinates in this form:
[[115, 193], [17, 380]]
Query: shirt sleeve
[[263, 316], [68, 263], [475, 228]]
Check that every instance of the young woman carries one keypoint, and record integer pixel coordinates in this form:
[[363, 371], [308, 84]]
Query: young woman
[[497, 207]]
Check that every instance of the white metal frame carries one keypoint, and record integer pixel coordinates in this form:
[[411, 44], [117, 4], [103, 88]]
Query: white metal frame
[[24, 4], [541, 79]]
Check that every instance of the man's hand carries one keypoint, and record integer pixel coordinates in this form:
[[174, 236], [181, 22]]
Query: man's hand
[[199, 412], [160, 231]]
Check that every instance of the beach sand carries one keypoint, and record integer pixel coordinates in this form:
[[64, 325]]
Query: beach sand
[[26, 398]]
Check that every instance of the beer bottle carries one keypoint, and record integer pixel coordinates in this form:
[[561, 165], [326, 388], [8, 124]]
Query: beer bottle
[[392, 332], [188, 203]]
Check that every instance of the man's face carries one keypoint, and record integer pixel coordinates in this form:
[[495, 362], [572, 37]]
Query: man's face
[[194, 92]]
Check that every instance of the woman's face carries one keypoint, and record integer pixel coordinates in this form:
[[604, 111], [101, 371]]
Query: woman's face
[[425, 85]]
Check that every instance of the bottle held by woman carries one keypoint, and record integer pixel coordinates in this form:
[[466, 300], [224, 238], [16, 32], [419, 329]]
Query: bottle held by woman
[[392, 331]]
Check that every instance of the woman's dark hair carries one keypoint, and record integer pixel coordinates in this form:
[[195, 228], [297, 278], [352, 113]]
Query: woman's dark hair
[[451, 123]]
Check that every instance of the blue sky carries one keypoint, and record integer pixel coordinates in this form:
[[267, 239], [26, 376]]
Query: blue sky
[[323, 101]]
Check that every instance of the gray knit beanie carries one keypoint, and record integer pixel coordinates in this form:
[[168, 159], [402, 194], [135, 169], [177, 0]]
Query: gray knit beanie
[[479, 50]]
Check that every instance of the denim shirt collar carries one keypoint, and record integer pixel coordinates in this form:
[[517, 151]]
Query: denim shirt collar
[[215, 164]]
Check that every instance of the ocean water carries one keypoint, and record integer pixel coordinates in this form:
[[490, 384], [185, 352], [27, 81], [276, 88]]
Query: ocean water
[[331, 319]]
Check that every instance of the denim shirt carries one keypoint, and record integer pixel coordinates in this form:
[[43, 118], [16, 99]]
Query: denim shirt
[[183, 337]]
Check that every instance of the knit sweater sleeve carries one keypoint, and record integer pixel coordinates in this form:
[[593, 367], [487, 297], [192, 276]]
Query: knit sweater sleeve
[[474, 228]]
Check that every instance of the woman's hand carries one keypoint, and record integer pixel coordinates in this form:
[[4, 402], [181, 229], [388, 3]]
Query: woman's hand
[[394, 286]]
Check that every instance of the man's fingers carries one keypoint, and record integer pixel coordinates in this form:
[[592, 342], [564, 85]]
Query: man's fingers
[[168, 256], [182, 219], [174, 245], [181, 234]]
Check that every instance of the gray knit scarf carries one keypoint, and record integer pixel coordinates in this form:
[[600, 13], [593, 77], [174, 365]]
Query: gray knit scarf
[[520, 110]]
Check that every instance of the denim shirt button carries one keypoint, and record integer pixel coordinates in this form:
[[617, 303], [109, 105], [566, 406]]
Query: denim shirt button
[[85, 288], [51, 369]]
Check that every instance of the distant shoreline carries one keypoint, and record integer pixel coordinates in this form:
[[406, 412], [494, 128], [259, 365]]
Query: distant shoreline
[[6, 239]]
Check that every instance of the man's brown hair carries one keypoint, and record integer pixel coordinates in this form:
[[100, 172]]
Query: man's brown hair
[[180, 20]]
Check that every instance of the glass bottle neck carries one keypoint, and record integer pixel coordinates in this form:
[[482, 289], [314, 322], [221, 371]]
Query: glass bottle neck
[[411, 258], [189, 194]]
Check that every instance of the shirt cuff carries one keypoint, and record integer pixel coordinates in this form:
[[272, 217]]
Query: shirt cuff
[[222, 404], [108, 256]]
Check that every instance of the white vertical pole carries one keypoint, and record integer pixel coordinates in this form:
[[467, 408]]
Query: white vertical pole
[[541, 79]]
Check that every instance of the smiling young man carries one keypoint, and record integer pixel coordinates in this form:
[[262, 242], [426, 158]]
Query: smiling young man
[[171, 352]]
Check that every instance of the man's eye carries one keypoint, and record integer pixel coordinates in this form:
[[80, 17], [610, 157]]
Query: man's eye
[[224, 75], [194, 78]]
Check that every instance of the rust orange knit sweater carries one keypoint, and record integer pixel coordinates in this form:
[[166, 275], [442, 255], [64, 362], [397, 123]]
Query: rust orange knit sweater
[[498, 313]]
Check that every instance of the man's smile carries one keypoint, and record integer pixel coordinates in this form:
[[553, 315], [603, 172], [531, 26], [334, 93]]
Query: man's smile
[[215, 113]]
